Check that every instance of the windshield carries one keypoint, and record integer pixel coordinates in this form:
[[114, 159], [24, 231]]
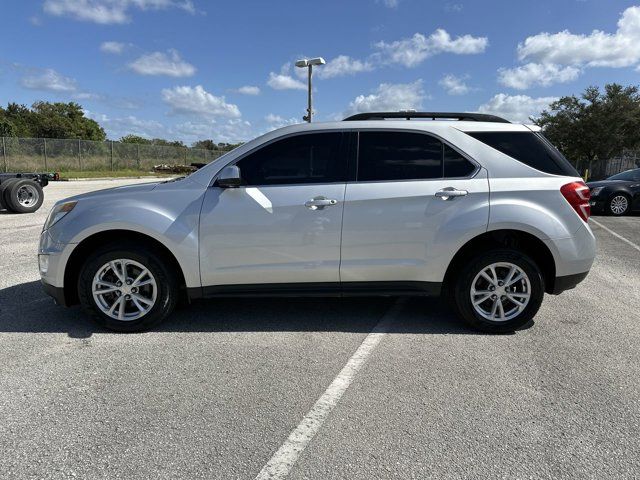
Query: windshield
[[628, 175]]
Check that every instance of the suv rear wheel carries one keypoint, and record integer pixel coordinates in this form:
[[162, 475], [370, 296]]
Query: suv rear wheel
[[498, 291], [127, 288]]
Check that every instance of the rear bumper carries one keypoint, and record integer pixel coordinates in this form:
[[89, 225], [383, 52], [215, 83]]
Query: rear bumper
[[57, 293], [567, 282]]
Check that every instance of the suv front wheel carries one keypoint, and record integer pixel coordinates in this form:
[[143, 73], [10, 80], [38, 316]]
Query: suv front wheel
[[498, 291], [127, 289]]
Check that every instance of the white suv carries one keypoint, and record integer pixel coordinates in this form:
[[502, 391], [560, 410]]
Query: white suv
[[484, 211]]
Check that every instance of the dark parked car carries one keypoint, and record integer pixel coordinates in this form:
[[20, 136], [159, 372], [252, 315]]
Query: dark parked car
[[617, 195]]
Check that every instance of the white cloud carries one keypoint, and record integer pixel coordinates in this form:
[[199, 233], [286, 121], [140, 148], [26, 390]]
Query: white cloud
[[120, 126], [410, 52], [453, 7], [49, 80], [342, 65], [109, 11], [88, 96], [282, 81], [276, 121], [158, 63], [543, 74], [248, 90], [230, 131], [597, 49], [454, 85], [391, 3], [517, 108], [196, 100], [390, 97], [112, 47]]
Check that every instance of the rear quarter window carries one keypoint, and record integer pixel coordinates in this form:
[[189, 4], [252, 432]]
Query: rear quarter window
[[530, 148]]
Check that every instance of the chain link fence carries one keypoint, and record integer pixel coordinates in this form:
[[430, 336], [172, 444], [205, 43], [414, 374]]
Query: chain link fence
[[69, 155]]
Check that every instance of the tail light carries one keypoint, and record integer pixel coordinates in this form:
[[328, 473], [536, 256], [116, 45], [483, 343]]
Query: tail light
[[578, 195]]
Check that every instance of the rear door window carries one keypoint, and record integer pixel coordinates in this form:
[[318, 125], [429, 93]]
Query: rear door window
[[398, 156], [530, 148], [456, 165], [408, 156]]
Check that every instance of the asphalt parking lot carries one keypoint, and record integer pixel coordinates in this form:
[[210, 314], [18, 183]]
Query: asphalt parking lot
[[216, 391]]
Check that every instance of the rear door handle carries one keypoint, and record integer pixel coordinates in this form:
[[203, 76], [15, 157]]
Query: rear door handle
[[450, 192], [319, 203]]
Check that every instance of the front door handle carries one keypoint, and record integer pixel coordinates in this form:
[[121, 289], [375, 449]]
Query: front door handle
[[319, 203], [450, 192]]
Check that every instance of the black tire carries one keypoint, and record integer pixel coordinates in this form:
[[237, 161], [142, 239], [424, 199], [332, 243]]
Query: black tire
[[610, 207], [461, 293], [3, 186], [23, 186], [165, 278]]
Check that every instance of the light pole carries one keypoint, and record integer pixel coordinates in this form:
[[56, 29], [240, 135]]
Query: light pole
[[309, 63]]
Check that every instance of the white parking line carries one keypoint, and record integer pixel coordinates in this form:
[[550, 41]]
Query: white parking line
[[285, 458], [637, 247]]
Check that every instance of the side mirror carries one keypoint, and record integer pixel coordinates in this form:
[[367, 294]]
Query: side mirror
[[229, 177]]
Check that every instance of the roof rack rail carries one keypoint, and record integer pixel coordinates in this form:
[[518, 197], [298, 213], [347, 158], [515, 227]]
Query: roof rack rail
[[408, 115]]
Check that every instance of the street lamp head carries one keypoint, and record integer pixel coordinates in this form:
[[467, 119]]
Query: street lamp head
[[310, 61]]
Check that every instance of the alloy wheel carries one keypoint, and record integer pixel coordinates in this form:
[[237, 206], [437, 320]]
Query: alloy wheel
[[124, 289], [619, 204], [500, 291]]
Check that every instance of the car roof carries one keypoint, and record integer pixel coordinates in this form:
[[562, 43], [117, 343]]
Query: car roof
[[425, 125]]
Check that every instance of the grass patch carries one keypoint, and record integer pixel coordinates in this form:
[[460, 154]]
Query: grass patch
[[112, 173]]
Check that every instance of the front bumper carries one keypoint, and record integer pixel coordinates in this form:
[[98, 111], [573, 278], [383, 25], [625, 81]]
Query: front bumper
[[57, 293], [567, 282], [597, 204], [52, 258]]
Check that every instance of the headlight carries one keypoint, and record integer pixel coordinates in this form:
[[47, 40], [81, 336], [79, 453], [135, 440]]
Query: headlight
[[57, 213], [596, 191]]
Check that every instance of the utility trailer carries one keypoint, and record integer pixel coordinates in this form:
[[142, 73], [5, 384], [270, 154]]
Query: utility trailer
[[22, 192]]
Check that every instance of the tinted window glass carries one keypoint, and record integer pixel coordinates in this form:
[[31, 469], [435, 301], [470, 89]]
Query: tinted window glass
[[631, 175], [398, 156], [455, 165], [310, 158], [529, 148]]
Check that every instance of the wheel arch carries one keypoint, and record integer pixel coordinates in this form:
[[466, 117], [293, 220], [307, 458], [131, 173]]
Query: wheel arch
[[89, 244], [509, 238]]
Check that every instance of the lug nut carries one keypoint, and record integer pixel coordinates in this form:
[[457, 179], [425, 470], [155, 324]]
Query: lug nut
[[127, 297], [134, 290], [119, 284], [492, 288], [493, 297], [128, 282], [500, 284]]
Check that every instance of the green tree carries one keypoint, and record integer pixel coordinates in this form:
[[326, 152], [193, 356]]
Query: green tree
[[205, 144], [596, 126], [135, 139], [50, 120], [7, 129], [167, 143], [211, 145]]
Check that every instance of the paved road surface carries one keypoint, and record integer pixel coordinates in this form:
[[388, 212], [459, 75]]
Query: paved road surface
[[216, 390]]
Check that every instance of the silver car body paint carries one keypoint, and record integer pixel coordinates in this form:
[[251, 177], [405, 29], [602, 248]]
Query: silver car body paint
[[376, 231]]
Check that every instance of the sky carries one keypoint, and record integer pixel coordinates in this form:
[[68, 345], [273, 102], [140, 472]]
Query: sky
[[197, 69]]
